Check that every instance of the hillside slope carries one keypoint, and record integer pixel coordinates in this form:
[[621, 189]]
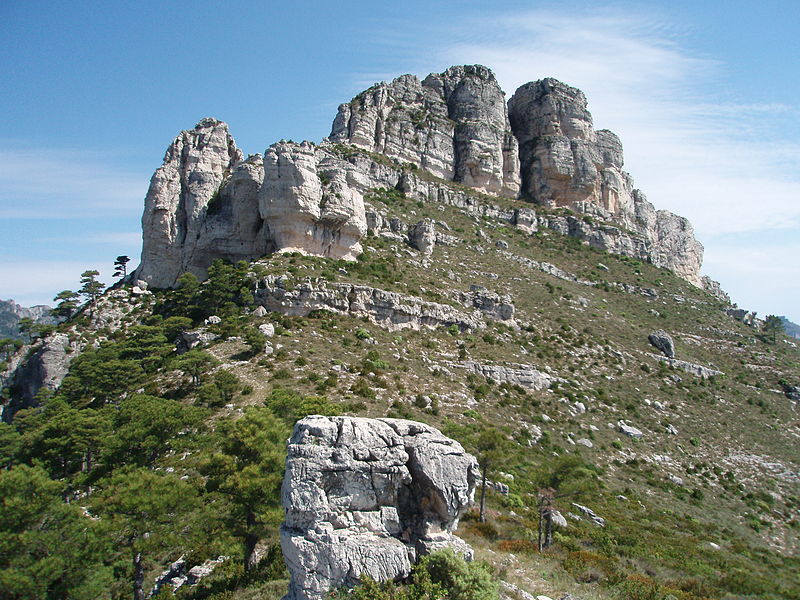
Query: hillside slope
[[160, 415]]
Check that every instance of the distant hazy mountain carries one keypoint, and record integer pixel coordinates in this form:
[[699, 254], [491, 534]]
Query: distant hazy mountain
[[792, 329], [11, 313]]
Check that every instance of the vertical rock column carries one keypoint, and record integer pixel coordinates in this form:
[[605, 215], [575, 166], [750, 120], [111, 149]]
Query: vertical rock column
[[194, 168]]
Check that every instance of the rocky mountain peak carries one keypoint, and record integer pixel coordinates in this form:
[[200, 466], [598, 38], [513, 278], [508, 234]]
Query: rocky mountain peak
[[427, 138], [195, 166], [452, 124]]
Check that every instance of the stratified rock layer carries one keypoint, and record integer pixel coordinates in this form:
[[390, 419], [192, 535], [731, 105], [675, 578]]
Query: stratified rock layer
[[366, 497], [388, 309], [452, 124]]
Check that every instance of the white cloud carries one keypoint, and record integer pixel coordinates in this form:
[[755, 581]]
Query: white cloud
[[32, 282], [730, 165], [38, 183]]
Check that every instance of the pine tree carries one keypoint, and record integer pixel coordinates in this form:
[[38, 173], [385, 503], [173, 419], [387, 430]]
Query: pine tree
[[491, 447], [67, 304], [248, 469], [143, 509], [121, 267], [90, 287], [773, 325]]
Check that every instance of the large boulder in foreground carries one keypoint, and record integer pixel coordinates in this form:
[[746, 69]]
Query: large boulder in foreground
[[366, 497]]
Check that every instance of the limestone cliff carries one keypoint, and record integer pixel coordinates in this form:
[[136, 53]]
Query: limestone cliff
[[452, 124], [434, 140], [195, 166], [566, 163]]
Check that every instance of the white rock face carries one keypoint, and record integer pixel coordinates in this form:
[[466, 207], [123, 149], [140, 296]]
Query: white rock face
[[566, 163], [45, 368], [303, 215], [452, 124], [366, 497], [422, 236], [195, 166], [391, 310], [526, 376], [206, 202]]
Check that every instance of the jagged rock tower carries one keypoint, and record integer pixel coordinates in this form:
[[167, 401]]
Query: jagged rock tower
[[207, 201]]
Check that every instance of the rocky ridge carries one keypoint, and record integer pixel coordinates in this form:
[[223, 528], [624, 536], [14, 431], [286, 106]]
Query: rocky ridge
[[11, 313], [390, 310], [450, 139]]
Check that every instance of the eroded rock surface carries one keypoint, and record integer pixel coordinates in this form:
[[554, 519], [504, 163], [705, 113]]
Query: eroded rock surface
[[44, 368], [566, 163], [452, 124], [195, 166], [304, 215], [391, 310], [207, 202], [526, 376], [662, 341], [367, 497]]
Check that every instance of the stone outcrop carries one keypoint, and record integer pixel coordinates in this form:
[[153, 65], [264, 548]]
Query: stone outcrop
[[42, 366], [367, 497], [195, 166], [391, 310], [662, 341], [422, 236], [304, 215], [566, 163], [207, 202], [526, 376], [695, 369], [452, 124], [11, 313]]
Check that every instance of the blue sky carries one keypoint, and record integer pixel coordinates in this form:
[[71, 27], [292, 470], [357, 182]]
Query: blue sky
[[704, 96]]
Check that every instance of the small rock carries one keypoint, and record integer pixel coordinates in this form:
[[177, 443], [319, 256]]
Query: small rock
[[629, 430], [585, 442], [422, 236], [663, 342], [213, 320], [558, 519], [602, 267], [501, 244], [599, 521], [260, 311], [672, 429], [267, 329]]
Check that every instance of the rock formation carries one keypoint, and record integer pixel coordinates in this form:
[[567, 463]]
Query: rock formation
[[304, 215], [45, 368], [662, 341], [391, 310], [11, 313], [453, 124], [195, 166], [207, 202], [366, 497], [566, 163]]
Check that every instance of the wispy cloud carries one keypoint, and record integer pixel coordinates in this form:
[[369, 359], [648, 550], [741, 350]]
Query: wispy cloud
[[38, 183], [32, 282], [729, 164]]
